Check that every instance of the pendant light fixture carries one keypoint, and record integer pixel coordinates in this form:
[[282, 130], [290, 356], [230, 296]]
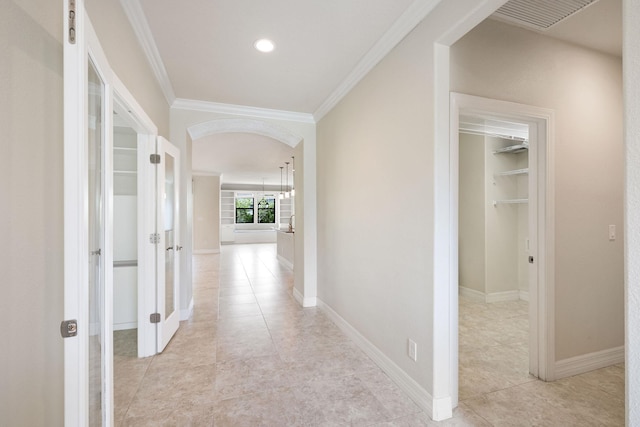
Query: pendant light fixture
[[293, 175], [281, 195], [286, 188]]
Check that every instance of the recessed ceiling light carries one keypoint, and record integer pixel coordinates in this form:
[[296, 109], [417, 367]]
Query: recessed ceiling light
[[264, 45]]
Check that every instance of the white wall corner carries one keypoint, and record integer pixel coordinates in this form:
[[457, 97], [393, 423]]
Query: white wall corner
[[419, 395], [524, 295], [304, 302], [442, 408], [186, 313], [588, 362]]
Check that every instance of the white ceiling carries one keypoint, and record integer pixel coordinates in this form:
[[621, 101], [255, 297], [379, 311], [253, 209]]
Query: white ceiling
[[204, 51], [242, 158], [207, 47]]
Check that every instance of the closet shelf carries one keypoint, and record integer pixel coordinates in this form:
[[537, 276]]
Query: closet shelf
[[513, 149], [513, 172], [118, 172], [510, 202], [129, 149]]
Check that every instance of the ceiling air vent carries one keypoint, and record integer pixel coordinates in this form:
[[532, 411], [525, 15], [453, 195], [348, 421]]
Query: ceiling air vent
[[539, 14]]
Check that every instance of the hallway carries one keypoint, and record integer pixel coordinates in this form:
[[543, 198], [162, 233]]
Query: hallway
[[251, 356]]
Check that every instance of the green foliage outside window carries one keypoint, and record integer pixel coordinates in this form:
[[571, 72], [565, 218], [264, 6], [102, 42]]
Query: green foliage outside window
[[244, 210], [267, 210]]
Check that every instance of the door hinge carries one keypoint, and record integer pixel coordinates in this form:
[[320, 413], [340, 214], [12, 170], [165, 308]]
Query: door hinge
[[154, 318], [72, 21], [154, 238], [69, 328], [154, 159]]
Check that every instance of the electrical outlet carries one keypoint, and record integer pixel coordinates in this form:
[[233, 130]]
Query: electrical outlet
[[612, 232], [413, 350]]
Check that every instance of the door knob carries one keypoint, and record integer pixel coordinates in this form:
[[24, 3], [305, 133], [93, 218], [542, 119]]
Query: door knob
[[170, 248], [179, 248]]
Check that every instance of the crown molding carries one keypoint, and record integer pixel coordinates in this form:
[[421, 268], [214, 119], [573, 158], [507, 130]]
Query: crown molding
[[411, 17], [241, 110], [138, 21], [197, 173]]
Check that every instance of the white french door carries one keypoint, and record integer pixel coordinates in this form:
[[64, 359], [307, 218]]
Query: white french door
[[89, 85], [168, 253], [87, 246]]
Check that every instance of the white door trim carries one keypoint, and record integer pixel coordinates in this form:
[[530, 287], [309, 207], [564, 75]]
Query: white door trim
[[541, 120]]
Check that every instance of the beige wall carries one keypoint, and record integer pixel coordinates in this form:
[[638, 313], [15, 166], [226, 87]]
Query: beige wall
[[375, 206], [501, 224], [471, 225], [128, 60], [584, 89], [31, 213], [206, 214]]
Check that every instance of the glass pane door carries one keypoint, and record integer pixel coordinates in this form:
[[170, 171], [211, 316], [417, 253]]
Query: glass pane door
[[96, 283], [169, 234], [168, 254]]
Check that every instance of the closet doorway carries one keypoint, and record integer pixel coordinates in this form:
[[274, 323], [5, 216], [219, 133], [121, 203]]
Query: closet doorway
[[499, 162], [493, 252]]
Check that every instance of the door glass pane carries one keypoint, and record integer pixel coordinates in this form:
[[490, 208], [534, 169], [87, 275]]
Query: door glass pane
[[96, 303], [169, 228]]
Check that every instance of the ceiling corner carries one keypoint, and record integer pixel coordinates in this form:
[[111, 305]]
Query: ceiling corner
[[411, 17]]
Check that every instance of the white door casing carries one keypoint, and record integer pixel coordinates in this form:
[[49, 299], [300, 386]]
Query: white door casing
[[541, 122]]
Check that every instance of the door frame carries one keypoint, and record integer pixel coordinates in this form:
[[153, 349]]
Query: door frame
[[541, 277], [146, 144]]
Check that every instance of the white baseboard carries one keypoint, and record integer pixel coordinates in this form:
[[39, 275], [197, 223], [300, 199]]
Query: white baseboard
[[186, 313], [478, 296], [471, 294], [588, 362], [305, 302], [503, 296], [125, 326], [205, 251], [285, 261], [433, 407]]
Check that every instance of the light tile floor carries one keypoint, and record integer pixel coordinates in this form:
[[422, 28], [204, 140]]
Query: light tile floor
[[250, 356]]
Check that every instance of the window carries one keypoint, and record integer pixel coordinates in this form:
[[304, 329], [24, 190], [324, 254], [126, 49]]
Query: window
[[254, 208], [267, 210], [244, 210]]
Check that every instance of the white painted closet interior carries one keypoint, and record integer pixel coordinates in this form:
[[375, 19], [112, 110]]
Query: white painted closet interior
[[493, 228], [125, 234]]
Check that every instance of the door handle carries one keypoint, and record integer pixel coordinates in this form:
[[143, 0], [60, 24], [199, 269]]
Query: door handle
[[170, 248], [178, 248]]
